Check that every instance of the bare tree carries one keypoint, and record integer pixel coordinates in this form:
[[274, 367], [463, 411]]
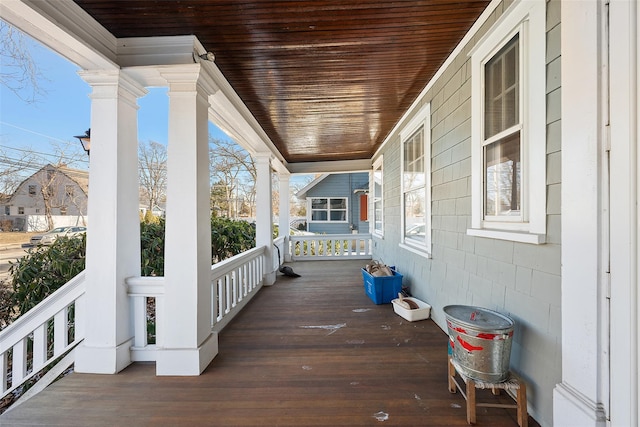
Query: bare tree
[[233, 172], [61, 189], [20, 72], [13, 170], [152, 158]]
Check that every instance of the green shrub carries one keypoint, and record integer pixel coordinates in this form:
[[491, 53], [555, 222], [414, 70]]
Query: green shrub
[[43, 270], [230, 237], [152, 247]]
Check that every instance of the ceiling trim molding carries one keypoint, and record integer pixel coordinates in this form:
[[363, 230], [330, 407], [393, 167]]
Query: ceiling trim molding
[[361, 165], [65, 28]]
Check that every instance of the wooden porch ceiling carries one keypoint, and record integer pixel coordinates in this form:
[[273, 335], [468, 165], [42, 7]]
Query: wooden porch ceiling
[[326, 80], [307, 351]]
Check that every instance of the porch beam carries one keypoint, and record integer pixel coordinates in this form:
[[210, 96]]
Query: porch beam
[[113, 239], [362, 165]]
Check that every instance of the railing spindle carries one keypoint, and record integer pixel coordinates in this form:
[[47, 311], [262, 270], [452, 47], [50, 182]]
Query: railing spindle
[[19, 362], [39, 346]]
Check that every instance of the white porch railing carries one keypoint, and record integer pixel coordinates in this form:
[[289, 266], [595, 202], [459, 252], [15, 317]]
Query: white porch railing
[[323, 247], [42, 335], [146, 322], [234, 281]]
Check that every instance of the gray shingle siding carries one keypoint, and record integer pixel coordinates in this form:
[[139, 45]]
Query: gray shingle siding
[[518, 279]]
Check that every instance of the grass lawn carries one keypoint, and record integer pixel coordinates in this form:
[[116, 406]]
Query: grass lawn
[[9, 237]]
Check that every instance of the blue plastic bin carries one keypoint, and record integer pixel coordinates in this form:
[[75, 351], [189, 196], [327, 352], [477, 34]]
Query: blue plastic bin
[[383, 289]]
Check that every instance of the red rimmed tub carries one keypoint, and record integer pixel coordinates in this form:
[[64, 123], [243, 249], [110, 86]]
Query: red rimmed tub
[[480, 341]]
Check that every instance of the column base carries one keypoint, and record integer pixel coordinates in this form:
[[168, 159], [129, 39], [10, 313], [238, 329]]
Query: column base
[[187, 361], [269, 278], [103, 360], [572, 408]]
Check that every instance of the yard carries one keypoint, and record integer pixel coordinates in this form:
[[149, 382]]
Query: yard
[[12, 237]]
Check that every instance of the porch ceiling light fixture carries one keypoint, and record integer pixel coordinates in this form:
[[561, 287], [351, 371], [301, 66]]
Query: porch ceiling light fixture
[[85, 140]]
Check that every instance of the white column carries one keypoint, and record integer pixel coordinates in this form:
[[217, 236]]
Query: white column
[[284, 207], [581, 397], [189, 344], [625, 322], [113, 237], [264, 214]]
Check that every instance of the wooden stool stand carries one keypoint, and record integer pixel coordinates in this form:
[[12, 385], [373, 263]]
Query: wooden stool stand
[[513, 383]]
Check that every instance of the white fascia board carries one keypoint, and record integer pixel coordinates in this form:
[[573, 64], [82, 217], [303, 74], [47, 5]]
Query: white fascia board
[[361, 165], [229, 99], [65, 28], [236, 121]]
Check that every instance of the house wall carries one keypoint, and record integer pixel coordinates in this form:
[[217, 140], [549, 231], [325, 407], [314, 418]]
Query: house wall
[[340, 185], [33, 204], [518, 279]]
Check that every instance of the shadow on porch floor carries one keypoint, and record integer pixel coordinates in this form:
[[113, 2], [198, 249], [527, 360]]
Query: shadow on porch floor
[[310, 351]]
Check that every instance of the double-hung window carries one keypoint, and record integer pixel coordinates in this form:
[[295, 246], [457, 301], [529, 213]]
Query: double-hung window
[[376, 190], [509, 127], [501, 144], [328, 209], [416, 183]]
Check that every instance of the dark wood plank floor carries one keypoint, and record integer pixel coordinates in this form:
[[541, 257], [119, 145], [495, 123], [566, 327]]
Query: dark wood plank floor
[[311, 351]]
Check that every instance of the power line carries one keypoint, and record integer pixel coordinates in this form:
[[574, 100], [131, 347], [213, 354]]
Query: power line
[[47, 155], [33, 132]]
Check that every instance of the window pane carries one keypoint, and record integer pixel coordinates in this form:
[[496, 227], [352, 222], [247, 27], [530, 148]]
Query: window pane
[[377, 184], [318, 203], [502, 89], [338, 215], [338, 204], [377, 200], [414, 205], [414, 161], [503, 172], [319, 215], [377, 214]]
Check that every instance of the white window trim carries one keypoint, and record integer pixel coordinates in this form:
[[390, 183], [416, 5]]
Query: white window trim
[[529, 19], [421, 119], [328, 221], [377, 165]]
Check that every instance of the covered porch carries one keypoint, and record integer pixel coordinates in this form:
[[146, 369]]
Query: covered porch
[[312, 350]]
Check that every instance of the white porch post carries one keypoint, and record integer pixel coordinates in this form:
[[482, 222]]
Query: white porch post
[[189, 344], [624, 46], [113, 239], [264, 214], [582, 397], [284, 207]]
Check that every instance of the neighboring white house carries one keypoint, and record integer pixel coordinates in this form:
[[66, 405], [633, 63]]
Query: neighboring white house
[[53, 196]]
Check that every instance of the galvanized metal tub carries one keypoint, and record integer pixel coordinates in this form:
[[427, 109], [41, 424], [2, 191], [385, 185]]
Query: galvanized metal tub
[[480, 341]]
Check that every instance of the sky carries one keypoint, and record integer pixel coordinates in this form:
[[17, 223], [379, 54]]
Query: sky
[[65, 109]]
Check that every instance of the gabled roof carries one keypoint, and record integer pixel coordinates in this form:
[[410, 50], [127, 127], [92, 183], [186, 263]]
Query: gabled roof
[[302, 193], [80, 177]]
